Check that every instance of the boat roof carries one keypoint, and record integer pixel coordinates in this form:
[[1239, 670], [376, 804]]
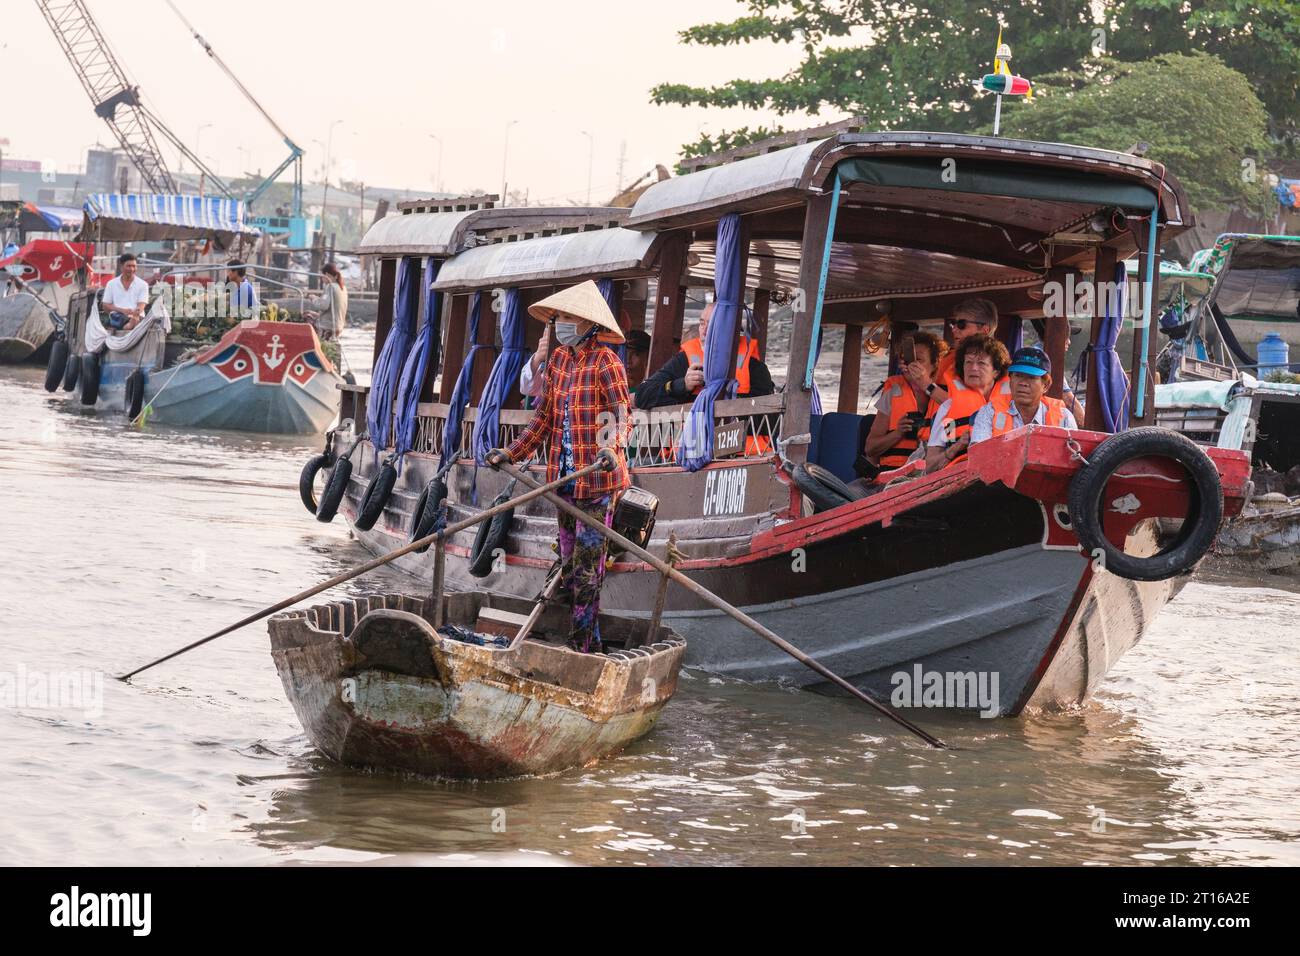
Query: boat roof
[[132, 217], [34, 217], [598, 253], [443, 228], [1252, 250], [886, 162]]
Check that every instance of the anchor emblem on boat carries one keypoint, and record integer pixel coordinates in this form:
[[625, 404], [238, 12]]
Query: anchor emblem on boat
[[275, 357]]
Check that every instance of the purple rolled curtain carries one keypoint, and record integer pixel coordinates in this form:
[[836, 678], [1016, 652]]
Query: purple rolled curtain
[[505, 373], [1112, 384], [424, 356], [388, 368], [695, 450], [606, 287], [460, 394]]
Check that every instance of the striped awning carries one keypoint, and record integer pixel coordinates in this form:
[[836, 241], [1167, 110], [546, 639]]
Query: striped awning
[[125, 217]]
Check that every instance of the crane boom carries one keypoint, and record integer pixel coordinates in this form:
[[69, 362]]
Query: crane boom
[[117, 101]]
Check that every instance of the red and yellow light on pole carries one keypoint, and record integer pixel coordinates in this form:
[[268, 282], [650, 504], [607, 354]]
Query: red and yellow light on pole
[[1003, 82]]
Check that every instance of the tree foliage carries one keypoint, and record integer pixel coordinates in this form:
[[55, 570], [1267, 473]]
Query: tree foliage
[[1199, 117], [902, 65]]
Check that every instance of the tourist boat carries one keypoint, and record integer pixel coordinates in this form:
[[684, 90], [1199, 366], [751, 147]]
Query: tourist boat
[[985, 566], [260, 376], [376, 685]]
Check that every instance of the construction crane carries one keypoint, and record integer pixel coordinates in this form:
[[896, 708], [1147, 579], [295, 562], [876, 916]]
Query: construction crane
[[116, 99], [118, 102], [296, 230]]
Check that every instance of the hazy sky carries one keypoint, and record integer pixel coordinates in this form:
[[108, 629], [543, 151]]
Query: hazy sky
[[395, 72]]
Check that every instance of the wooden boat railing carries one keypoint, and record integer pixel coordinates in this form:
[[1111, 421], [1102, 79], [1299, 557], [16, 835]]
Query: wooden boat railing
[[654, 435]]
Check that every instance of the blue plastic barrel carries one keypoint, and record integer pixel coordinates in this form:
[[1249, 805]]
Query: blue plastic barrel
[[1273, 354]]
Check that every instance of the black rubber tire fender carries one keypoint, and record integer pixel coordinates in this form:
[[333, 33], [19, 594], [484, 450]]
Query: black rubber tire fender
[[307, 480], [71, 372], [335, 489], [57, 364], [821, 487], [1199, 528], [490, 536], [426, 511], [89, 385], [376, 495], [134, 400]]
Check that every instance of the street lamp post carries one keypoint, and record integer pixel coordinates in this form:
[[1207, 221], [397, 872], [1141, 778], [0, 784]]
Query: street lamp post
[[198, 141], [329, 162], [437, 179], [591, 153], [505, 153]]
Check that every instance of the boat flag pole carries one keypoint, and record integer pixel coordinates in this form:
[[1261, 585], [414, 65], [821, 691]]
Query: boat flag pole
[[1002, 82], [663, 567], [536, 492]]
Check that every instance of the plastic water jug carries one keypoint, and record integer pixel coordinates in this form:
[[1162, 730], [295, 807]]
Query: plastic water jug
[[1273, 354]]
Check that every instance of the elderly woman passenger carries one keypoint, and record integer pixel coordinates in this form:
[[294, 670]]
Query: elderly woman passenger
[[983, 362]]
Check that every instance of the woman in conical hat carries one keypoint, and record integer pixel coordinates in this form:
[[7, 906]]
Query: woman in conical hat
[[584, 410]]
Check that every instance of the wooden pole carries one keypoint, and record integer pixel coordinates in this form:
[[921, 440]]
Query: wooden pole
[[850, 369], [733, 612], [670, 304], [798, 401], [438, 537]]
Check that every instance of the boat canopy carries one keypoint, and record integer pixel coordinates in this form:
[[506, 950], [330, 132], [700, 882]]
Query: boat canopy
[[1258, 276], [444, 231], [31, 217], [608, 253], [1024, 187], [129, 217]]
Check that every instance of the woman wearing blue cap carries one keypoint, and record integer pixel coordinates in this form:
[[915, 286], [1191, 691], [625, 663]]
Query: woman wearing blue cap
[[1028, 403]]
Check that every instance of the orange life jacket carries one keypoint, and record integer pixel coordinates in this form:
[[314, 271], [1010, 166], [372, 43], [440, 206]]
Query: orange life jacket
[[947, 371], [1004, 422], [902, 401], [746, 352], [964, 402]]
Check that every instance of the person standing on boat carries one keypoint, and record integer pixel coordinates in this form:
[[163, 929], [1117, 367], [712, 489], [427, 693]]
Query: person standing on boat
[[906, 408], [1028, 404], [971, 317], [126, 295], [983, 361], [329, 311], [243, 301], [584, 415]]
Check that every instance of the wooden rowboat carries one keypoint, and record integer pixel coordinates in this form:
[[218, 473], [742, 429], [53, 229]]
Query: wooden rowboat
[[374, 685]]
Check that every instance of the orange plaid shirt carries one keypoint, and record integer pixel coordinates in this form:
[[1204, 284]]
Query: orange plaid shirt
[[596, 385]]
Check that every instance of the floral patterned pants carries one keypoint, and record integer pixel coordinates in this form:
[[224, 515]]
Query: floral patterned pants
[[582, 551]]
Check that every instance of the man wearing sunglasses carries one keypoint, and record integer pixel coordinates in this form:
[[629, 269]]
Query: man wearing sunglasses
[[970, 317]]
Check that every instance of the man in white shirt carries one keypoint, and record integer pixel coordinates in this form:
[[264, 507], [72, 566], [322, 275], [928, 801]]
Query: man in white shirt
[[125, 295], [1031, 377]]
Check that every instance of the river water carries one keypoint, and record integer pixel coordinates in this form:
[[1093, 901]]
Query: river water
[[120, 545]]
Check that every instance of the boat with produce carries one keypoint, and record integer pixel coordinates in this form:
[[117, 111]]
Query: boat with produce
[[1037, 561], [378, 682], [193, 361]]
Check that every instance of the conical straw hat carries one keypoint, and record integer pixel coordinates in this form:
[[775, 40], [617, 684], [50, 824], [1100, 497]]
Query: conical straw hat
[[582, 301]]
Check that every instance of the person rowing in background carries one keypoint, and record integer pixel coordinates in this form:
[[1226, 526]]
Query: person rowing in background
[[584, 415]]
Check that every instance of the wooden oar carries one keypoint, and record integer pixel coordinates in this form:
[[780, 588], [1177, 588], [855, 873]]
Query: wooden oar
[[733, 612], [536, 492]]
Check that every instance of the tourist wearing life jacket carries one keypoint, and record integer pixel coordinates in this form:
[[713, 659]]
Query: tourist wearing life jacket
[[983, 361], [906, 407], [1028, 404], [682, 376], [970, 317]]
